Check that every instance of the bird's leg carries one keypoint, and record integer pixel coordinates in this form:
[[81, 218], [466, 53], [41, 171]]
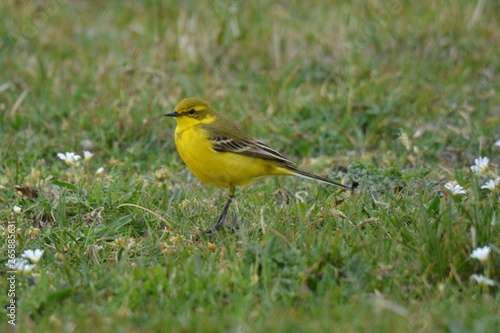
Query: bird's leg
[[222, 217]]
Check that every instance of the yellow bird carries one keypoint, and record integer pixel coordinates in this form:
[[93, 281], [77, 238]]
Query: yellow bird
[[220, 153]]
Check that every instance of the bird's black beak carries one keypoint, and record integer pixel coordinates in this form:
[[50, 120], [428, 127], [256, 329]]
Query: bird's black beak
[[172, 114]]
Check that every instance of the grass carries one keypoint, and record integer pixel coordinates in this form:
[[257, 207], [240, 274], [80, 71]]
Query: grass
[[398, 97]]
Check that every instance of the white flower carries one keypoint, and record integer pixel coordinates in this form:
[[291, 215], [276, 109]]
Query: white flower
[[454, 188], [99, 171], [25, 269], [18, 262], [70, 158], [22, 266], [481, 253], [497, 143], [34, 256], [16, 209], [483, 280], [491, 184], [87, 156], [481, 165]]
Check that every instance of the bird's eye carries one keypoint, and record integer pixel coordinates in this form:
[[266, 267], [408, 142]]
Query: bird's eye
[[192, 111]]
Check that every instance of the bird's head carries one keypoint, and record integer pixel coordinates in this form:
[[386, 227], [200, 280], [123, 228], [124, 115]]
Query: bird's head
[[192, 111]]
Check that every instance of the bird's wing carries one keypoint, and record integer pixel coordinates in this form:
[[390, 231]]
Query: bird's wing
[[231, 139]]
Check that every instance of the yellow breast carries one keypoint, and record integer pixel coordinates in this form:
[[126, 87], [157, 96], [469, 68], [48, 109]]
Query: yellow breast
[[220, 169]]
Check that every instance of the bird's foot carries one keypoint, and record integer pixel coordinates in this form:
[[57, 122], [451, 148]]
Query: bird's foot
[[207, 232]]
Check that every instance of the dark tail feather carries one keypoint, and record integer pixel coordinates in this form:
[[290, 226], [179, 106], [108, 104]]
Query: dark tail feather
[[308, 175]]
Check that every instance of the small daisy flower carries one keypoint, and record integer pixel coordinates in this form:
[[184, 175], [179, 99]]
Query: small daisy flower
[[482, 280], [481, 165], [16, 210], [99, 171], [454, 188], [34, 256], [481, 253], [87, 156], [70, 158], [491, 184], [22, 266], [18, 262], [26, 269], [497, 144]]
